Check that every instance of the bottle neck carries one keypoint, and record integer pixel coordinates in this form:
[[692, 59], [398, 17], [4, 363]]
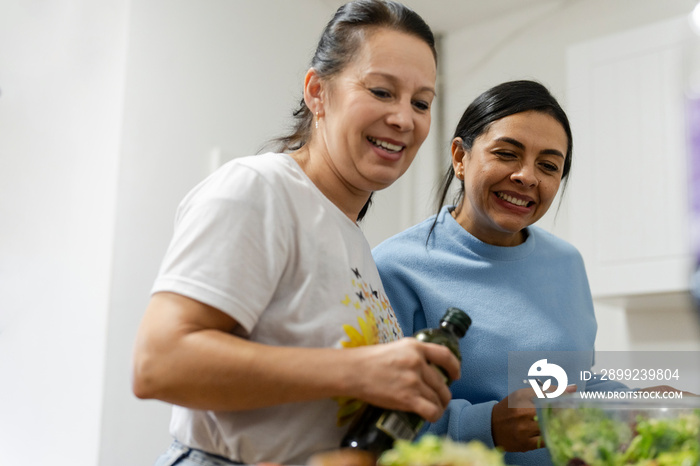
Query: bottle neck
[[452, 328]]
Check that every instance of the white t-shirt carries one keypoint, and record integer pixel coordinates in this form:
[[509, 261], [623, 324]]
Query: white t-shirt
[[260, 242]]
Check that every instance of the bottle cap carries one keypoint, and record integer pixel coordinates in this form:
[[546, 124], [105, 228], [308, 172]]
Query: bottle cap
[[459, 319]]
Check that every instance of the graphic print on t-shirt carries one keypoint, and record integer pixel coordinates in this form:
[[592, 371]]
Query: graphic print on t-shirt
[[377, 324]]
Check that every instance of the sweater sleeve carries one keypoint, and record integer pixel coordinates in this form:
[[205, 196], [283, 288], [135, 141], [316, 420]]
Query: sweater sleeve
[[464, 421]]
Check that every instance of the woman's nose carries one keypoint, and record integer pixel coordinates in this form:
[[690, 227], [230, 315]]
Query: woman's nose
[[401, 116], [525, 176]]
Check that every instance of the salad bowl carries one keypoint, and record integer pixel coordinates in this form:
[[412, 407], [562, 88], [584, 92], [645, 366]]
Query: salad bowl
[[604, 432]]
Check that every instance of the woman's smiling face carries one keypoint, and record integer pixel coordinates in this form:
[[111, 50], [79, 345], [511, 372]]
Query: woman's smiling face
[[511, 176], [376, 112]]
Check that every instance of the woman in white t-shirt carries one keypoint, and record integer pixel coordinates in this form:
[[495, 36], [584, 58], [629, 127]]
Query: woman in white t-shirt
[[262, 325]]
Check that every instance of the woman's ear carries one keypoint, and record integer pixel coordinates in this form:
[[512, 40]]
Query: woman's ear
[[458, 154], [313, 92]]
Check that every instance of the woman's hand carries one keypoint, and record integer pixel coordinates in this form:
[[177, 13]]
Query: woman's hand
[[516, 429], [402, 375]]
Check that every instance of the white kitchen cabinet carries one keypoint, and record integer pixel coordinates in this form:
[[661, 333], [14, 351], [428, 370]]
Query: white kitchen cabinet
[[628, 193]]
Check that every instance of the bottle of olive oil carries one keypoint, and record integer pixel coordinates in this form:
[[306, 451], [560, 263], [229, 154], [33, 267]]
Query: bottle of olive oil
[[375, 429]]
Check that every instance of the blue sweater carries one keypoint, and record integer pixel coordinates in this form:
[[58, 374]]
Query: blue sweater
[[531, 297]]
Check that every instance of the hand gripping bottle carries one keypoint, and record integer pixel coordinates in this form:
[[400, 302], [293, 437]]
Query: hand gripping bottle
[[375, 429]]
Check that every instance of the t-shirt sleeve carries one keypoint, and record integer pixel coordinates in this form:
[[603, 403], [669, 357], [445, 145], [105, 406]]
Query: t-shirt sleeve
[[230, 245]]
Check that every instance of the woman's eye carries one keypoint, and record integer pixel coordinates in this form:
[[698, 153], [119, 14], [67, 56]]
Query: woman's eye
[[505, 155], [381, 93], [421, 105], [550, 167]]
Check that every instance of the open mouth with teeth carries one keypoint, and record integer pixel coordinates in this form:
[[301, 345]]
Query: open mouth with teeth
[[513, 200], [387, 146]]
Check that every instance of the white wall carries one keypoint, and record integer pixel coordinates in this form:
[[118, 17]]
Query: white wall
[[62, 84]]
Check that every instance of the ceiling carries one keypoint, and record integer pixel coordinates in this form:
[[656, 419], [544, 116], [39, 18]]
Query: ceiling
[[445, 16]]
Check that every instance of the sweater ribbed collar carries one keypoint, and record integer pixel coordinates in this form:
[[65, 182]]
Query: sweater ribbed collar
[[475, 246]]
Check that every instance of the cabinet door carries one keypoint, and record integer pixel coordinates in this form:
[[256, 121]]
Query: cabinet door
[[628, 193]]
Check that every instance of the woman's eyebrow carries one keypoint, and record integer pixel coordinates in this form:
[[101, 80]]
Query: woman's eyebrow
[[511, 141], [520, 145], [394, 80]]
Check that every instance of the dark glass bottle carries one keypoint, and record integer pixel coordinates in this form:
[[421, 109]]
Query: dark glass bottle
[[375, 429]]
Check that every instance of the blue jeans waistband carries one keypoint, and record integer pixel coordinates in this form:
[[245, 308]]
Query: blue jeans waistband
[[179, 454]]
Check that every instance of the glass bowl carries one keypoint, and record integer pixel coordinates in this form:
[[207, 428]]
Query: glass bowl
[[585, 432]]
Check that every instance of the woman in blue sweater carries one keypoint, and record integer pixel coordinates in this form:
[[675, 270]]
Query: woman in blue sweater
[[525, 289]]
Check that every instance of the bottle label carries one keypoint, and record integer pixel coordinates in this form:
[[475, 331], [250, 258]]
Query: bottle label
[[398, 425]]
